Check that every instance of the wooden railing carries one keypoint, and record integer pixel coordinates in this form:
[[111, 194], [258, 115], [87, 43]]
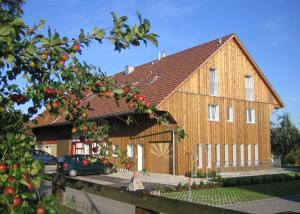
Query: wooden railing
[[144, 202]]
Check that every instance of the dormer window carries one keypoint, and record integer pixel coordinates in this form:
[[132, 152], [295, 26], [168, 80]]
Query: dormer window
[[249, 88], [213, 78]]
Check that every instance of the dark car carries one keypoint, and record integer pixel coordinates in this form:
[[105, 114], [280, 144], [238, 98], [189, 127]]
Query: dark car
[[74, 165], [43, 157]]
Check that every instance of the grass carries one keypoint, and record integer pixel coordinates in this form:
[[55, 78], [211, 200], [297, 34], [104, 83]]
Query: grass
[[231, 195]]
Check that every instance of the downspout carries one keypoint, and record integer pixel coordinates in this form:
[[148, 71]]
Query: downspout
[[174, 152]]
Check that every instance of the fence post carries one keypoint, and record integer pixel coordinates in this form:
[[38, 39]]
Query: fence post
[[58, 186]]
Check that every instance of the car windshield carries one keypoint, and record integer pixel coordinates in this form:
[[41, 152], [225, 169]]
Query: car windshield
[[62, 159]]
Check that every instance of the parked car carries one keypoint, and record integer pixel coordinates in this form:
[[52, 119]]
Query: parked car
[[43, 156], [74, 165]]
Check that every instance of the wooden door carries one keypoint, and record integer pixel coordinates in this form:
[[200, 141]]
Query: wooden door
[[161, 157]]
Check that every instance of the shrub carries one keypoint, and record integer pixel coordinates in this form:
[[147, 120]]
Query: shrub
[[257, 179], [201, 184], [199, 174], [213, 174], [194, 184]]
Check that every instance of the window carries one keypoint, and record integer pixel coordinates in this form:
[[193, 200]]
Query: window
[[115, 126], [249, 154], [226, 155], [213, 78], [250, 114], [208, 156], [115, 149], [199, 156], [130, 150], [234, 155], [218, 155], [242, 155], [229, 114], [256, 154], [213, 112], [249, 88]]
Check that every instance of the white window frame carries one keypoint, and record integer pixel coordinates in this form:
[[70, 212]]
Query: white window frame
[[242, 155], [250, 115], [226, 155], [249, 88], [234, 155], [218, 155], [213, 82], [114, 148], [130, 151], [249, 154], [213, 112], [208, 156], [199, 156], [230, 114], [256, 158]]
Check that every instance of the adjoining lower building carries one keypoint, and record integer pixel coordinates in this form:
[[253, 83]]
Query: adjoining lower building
[[215, 91]]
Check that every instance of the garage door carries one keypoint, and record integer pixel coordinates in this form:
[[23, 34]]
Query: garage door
[[161, 156]]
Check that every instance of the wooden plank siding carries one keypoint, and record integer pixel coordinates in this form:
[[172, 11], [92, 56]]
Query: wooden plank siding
[[188, 105]]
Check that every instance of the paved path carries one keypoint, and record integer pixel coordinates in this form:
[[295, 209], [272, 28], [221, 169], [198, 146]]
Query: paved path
[[289, 204], [256, 172], [122, 179]]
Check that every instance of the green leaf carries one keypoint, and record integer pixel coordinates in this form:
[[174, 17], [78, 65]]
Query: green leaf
[[18, 22], [10, 59], [5, 30]]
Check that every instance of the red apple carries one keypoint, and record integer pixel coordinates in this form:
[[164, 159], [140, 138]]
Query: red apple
[[148, 104], [141, 98], [127, 165], [108, 94], [44, 55], [130, 105], [104, 161], [100, 83], [135, 96], [95, 126], [40, 210], [74, 130], [126, 89], [9, 190], [55, 104], [85, 162], [30, 186], [65, 57], [17, 201], [76, 47], [11, 179], [3, 167], [61, 62]]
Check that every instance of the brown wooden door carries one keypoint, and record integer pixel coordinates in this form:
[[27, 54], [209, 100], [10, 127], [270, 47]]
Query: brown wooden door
[[161, 157]]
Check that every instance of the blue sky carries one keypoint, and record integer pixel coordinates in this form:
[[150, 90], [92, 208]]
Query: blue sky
[[269, 30]]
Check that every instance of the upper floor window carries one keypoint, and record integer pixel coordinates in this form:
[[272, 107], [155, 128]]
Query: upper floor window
[[250, 114], [213, 79], [230, 114], [213, 112], [249, 88]]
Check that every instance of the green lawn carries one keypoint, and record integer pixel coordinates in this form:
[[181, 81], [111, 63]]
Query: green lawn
[[230, 195]]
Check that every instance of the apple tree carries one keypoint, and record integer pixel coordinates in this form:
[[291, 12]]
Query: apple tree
[[56, 79]]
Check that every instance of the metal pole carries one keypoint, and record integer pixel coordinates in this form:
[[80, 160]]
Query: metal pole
[[174, 156]]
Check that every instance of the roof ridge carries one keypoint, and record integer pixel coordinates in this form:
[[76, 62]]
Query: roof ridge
[[187, 49]]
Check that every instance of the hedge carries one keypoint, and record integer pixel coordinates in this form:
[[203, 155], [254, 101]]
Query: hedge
[[258, 179]]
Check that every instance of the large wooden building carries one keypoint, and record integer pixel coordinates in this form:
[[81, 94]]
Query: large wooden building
[[215, 91]]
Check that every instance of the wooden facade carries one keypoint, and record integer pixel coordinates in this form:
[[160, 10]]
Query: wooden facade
[[188, 107]]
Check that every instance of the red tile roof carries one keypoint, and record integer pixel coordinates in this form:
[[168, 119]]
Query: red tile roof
[[156, 79]]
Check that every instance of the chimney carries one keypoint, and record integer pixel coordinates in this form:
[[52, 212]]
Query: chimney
[[220, 41], [161, 54], [129, 69]]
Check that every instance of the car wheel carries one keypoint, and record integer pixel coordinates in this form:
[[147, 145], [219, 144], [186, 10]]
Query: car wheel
[[107, 171], [73, 173]]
